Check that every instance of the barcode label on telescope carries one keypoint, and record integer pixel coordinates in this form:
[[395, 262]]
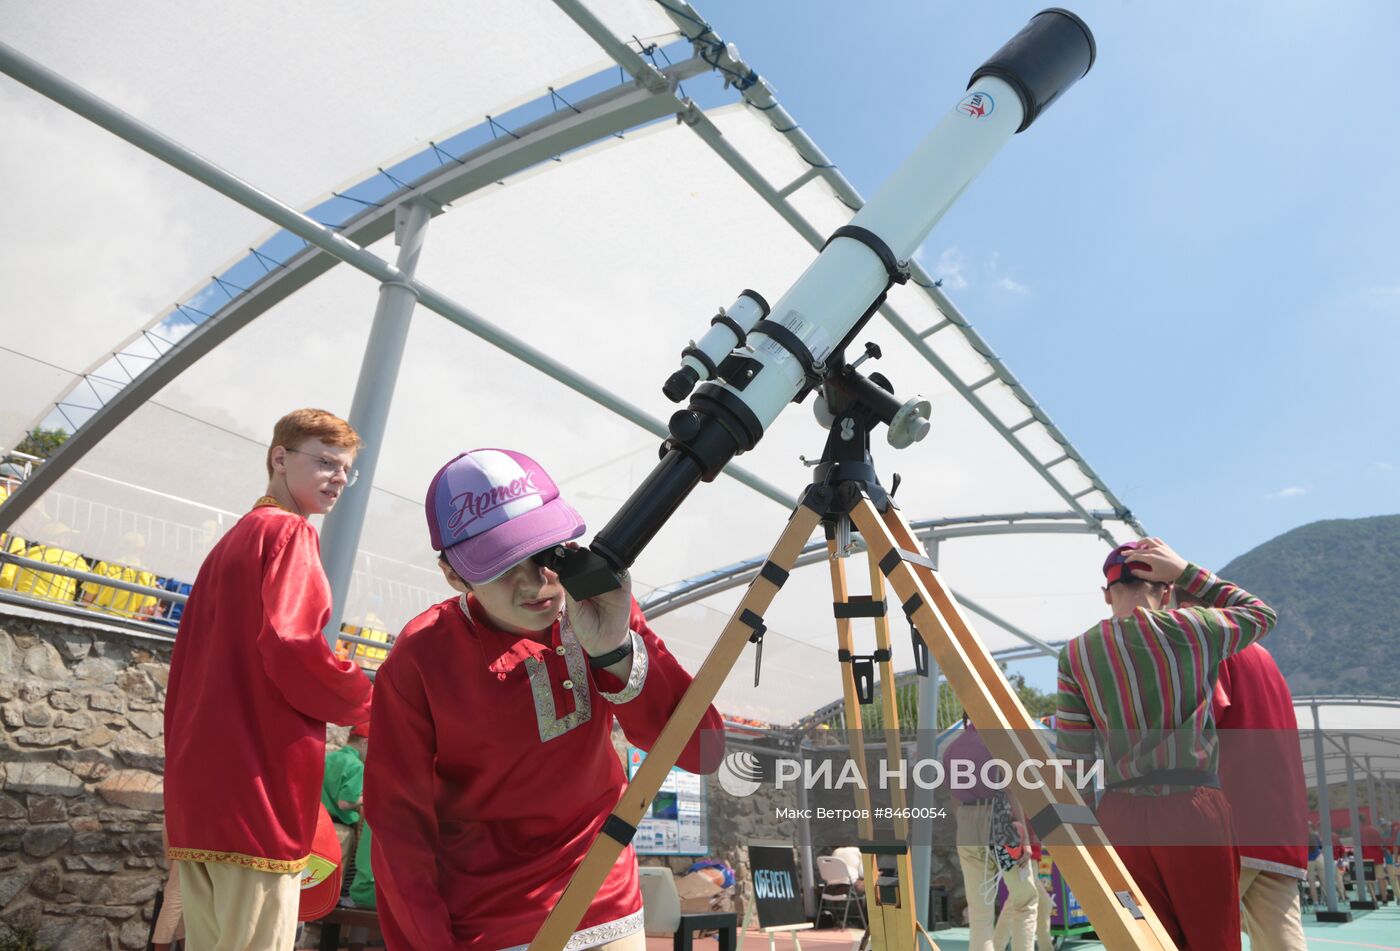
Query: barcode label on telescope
[[813, 336]]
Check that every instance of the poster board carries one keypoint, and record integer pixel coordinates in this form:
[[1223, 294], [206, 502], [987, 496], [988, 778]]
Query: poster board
[[777, 887], [677, 821]]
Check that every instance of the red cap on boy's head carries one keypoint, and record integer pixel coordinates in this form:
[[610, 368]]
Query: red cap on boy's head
[[361, 729], [1117, 566]]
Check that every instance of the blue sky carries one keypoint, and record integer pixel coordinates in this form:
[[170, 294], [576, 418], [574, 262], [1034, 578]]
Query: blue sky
[[1190, 259]]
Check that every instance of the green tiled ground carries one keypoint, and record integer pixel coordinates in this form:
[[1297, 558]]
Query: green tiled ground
[[1369, 930]]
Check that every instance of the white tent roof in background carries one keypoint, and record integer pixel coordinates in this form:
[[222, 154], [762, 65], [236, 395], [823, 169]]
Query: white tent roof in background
[[1366, 728], [608, 259]]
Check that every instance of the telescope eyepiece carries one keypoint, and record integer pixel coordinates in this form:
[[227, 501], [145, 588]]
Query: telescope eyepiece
[[680, 383]]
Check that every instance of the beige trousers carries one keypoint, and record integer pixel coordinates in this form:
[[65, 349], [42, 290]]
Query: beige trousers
[[230, 908], [1316, 874], [1273, 916], [979, 869], [1044, 905]]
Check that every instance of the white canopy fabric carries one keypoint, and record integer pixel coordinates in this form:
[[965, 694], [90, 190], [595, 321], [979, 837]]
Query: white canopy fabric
[[1366, 728], [609, 259]]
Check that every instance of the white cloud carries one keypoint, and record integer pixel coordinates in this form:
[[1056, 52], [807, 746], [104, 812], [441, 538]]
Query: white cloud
[[951, 264], [1380, 467], [953, 268], [1289, 492]]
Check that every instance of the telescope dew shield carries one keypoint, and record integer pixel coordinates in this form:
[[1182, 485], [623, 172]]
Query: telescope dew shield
[[1040, 61], [729, 413]]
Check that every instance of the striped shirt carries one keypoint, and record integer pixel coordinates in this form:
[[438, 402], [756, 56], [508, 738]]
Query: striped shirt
[[1140, 687]]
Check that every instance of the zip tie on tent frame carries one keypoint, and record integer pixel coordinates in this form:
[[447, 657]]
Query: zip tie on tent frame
[[650, 51], [263, 259], [441, 153], [402, 186], [494, 125], [800, 154], [555, 97], [362, 201], [225, 285]]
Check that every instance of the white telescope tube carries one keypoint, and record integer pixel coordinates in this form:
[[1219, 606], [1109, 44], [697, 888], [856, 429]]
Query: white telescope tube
[[840, 284]]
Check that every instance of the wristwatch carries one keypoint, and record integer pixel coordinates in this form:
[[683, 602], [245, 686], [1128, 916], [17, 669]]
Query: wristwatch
[[612, 656]]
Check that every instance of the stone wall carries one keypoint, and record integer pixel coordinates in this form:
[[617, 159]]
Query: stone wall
[[81, 757]]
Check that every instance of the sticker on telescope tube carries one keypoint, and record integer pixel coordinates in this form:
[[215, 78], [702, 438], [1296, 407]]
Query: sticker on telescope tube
[[977, 105]]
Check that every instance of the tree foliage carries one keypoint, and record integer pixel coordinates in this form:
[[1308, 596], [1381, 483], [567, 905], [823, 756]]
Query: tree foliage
[[42, 442]]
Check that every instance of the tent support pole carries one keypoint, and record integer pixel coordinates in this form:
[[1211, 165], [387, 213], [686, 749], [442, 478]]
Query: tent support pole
[[369, 410]]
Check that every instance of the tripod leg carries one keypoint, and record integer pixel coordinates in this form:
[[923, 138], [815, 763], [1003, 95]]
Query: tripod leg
[[1115, 905], [890, 919], [559, 926]]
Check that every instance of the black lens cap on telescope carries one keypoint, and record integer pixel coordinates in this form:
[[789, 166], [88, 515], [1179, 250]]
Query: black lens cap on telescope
[[1049, 55]]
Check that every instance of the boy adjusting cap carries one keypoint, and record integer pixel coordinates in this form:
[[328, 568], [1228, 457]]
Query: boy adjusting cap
[[489, 509], [1117, 567]]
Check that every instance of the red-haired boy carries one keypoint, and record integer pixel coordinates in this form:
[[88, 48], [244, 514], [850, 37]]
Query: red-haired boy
[[253, 684]]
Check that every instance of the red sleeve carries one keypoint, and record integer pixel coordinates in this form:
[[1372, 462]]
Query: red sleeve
[[296, 607], [399, 808], [644, 716], [1220, 699]]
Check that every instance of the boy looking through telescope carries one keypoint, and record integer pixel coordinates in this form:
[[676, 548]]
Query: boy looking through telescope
[[493, 768]]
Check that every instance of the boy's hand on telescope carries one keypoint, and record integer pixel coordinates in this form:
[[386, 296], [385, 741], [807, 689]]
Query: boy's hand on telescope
[[600, 623], [1163, 563]]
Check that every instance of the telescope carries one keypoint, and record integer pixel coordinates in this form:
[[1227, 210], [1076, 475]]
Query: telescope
[[755, 360]]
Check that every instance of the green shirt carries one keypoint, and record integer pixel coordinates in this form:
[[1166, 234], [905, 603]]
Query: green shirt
[[362, 888], [345, 779]]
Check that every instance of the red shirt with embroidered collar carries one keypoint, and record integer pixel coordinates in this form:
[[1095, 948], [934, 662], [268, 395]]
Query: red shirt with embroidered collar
[[253, 684], [492, 770]]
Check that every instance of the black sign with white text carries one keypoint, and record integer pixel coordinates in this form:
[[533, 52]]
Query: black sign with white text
[[777, 886]]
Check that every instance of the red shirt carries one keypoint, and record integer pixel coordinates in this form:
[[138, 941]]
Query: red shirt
[[1372, 849], [491, 770], [1261, 763], [252, 685]]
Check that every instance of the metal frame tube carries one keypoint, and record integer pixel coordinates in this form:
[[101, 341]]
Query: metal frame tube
[[369, 410], [923, 799], [804, 840], [162, 594], [1359, 873], [1371, 793], [622, 54], [1324, 818]]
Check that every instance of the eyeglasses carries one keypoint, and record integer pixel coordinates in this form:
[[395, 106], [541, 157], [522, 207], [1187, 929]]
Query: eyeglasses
[[329, 467]]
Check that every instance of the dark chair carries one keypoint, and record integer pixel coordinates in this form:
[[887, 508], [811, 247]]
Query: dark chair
[[352, 917], [838, 888]]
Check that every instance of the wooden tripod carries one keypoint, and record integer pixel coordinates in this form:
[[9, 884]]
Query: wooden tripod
[[1120, 915]]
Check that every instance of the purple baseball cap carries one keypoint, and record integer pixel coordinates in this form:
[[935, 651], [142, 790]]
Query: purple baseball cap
[[1117, 566], [489, 509]]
